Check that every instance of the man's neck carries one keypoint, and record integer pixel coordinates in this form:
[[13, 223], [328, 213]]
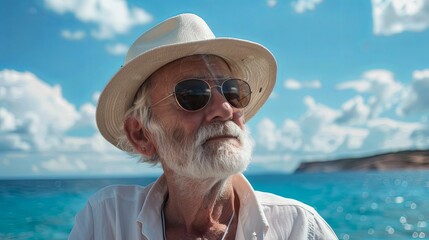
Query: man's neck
[[199, 207]]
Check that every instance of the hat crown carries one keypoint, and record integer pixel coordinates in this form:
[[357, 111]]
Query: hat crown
[[179, 29]]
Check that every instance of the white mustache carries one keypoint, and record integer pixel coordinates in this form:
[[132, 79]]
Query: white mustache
[[218, 129]]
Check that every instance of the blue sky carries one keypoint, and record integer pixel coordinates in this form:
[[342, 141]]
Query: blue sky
[[353, 78]]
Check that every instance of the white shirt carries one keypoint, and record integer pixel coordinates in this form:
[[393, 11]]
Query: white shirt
[[134, 212]]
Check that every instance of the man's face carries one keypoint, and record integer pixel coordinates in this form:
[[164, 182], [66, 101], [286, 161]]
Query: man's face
[[211, 142]]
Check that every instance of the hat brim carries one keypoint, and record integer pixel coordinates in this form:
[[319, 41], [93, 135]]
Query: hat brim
[[250, 61]]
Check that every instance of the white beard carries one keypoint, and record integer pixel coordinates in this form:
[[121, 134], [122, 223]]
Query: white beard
[[194, 158]]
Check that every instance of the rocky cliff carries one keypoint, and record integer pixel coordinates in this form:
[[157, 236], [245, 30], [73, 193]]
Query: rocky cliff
[[418, 159]]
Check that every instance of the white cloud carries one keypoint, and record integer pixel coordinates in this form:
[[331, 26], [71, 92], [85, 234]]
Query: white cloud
[[117, 49], [267, 136], [318, 131], [357, 128], [301, 6], [384, 90], [39, 132], [389, 134], [354, 140], [73, 164], [112, 17], [317, 134], [395, 16], [7, 120], [276, 163], [73, 36], [322, 112], [35, 116], [421, 74], [38, 111], [86, 115], [272, 3], [273, 95], [359, 86], [294, 84], [291, 135], [95, 97], [13, 141], [354, 112], [315, 131], [35, 168], [416, 99], [273, 138], [63, 164], [93, 144]]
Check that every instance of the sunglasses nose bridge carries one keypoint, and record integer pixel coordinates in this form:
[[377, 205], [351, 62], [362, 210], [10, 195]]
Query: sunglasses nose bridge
[[218, 88], [218, 97]]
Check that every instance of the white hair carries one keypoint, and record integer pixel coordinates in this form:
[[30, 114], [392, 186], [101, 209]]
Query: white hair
[[142, 112]]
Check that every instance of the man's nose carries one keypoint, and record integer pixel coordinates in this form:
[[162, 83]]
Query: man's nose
[[218, 109]]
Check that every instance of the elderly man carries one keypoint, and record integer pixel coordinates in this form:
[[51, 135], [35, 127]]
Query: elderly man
[[181, 100]]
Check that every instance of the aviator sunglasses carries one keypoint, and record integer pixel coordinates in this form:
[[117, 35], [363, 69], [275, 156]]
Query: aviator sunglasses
[[194, 94]]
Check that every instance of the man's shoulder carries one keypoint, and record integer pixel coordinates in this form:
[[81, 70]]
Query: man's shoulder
[[120, 193], [292, 213], [273, 200]]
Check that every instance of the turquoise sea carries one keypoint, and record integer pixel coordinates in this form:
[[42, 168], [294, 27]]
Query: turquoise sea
[[358, 205]]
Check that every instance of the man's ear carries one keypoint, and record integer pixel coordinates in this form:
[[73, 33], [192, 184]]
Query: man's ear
[[138, 137]]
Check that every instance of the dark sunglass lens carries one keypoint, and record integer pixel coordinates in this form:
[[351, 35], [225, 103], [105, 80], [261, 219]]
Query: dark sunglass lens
[[192, 94], [237, 92]]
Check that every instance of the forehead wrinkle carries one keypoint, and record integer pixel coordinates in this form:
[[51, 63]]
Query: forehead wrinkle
[[212, 67]]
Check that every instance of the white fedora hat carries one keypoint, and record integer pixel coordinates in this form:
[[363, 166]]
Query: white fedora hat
[[177, 37]]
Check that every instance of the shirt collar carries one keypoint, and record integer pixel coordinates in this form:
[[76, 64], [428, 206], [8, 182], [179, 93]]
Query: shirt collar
[[150, 214], [251, 216]]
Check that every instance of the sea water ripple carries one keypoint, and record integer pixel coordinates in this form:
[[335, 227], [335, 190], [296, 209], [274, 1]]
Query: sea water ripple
[[358, 205]]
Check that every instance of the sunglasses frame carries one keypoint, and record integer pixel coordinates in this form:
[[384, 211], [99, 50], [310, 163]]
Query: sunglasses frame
[[210, 96]]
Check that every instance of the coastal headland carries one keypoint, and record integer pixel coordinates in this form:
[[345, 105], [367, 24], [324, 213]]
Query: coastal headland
[[403, 160]]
